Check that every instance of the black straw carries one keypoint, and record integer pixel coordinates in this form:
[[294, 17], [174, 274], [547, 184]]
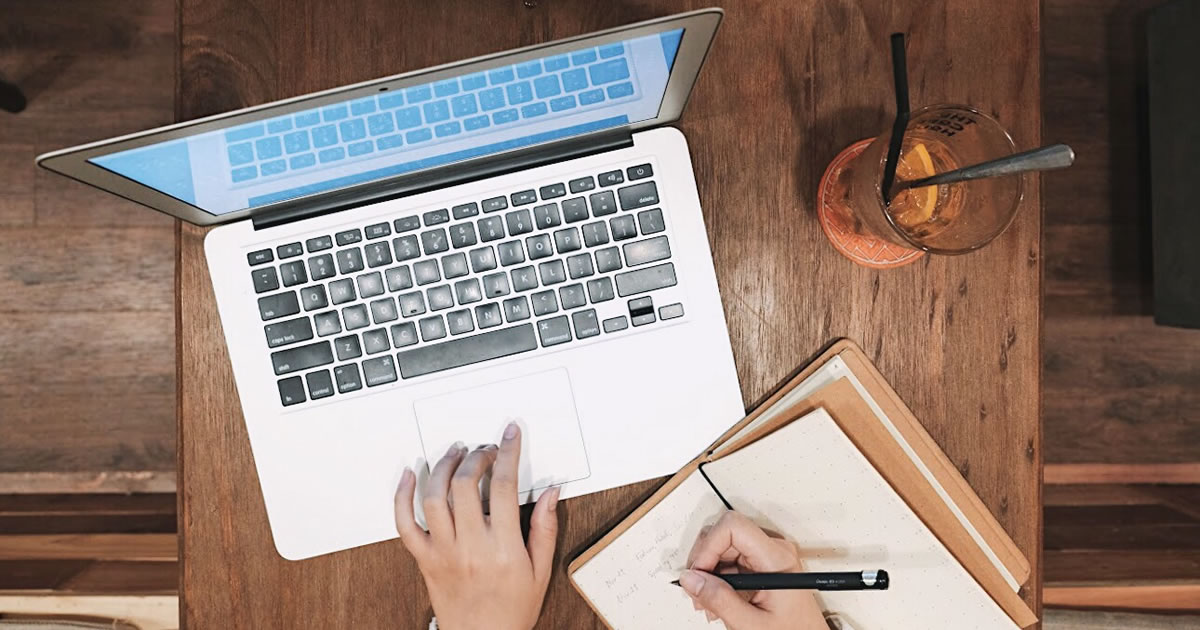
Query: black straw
[[900, 80]]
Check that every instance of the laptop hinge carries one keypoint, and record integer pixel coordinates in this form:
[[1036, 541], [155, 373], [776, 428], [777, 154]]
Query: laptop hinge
[[308, 208]]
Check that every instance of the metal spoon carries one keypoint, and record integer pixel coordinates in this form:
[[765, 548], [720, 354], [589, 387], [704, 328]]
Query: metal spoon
[[1041, 159]]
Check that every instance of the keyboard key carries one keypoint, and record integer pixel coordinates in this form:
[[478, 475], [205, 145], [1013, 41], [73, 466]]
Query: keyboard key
[[239, 154], [641, 311], [488, 315], [641, 171], [291, 250], [378, 124], [603, 203], [440, 297], [670, 311], [556, 63], [407, 224], [377, 230], [370, 284], [460, 322], [302, 161], [419, 135], [583, 57], [291, 331], [495, 203], [567, 240], [342, 291], [349, 260], [268, 148], [608, 71], [552, 272], [320, 243], [519, 222], [291, 391], [563, 103], [273, 167], [418, 94], [331, 155], [491, 98], [638, 196], [619, 90], [432, 328], [595, 233], [398, 278], [647, 251], [327, 323], [547, 86], [476, 122], [376, 341], [347, 378], [610, 178], [378, 254], [407, 247], [293, 273], [437, 111], [474, 81], [530, 69], [390, 142], [336, 112], [483, 259], [349, 237], [575, 209], [495, 284], [533, 110], [302, 358], [434, 241], [571, 296], [574, 80], [583, 184], [379, 371], [647, 279], [404, 334], [462, 235], [319, 384], [355, 317], [259, 257], [544, 303], [624, 227], [524, 278], [506, 116], [384, 310], [426, 272], [466, 351], [518, 93], [585, 324], [591, 97], [539, 246], [608, 259], [491, 229], [651, 221], [313, 297], [465, 210], [296, 142], [264, 279], [455, 265], [615, 324], [278, 305], [468, 291], [411, 303], [600, 290], [523, 197], [463, 105], [324, 136], [307, 119], [642, 320], [347, 348], [408, 118], [546, 216], [554, 331], [580, 266], [352, 130], [436, 217], [516, 309], [612, 50]]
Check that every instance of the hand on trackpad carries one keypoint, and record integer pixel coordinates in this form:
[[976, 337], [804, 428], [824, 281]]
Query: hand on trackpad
[[543, 404]]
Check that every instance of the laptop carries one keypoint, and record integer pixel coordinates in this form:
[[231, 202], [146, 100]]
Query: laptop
[[419, 260]]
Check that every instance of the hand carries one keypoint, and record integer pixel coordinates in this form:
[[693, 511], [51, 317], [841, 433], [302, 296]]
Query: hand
[[478, 569], [735, 544]]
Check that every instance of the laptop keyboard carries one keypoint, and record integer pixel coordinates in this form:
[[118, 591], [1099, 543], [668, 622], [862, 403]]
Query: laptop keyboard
[[458, 286], [456, 108]]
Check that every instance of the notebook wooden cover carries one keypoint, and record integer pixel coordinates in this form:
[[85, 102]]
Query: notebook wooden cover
[[856, 419]]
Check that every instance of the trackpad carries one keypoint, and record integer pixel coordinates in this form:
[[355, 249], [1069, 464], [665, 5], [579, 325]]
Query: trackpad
[[543, 404]]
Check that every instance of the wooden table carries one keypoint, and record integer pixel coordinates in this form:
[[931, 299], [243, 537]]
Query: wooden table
[[787, 85]]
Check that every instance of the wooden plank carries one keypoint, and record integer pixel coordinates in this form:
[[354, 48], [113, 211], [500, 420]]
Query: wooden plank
[[1173, 597], [89, 576], [1183, 473], [146, 612], [119, 482], [965, 324], [87, 514], [1129, 565], [140, 547]]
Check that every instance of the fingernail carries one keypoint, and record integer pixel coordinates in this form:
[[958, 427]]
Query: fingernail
[[511, 430], [553, 500], [455, 449], [406, 477], [711, 617], [489, 447], [691, 582]]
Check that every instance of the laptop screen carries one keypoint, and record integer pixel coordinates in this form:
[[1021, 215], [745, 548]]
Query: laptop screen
[[406, 130]]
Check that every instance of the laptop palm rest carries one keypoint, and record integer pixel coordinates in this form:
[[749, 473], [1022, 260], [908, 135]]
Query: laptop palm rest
[[542, 404]]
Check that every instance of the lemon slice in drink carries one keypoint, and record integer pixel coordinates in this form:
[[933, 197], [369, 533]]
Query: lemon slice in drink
[[914, 206]]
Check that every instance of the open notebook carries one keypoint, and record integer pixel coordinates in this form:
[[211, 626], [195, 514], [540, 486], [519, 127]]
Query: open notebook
[[836, 462]]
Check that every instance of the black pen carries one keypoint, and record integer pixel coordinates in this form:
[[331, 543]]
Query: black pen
[[846, 581]]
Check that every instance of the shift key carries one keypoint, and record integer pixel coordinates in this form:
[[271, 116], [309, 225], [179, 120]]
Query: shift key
[[302, 358], [648, 279]]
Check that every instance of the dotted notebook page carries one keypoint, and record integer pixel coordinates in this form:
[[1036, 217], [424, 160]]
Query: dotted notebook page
[[808, 482], [629, 581]]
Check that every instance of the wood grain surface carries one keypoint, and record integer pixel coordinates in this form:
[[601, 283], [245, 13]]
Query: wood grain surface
[[787, 85]]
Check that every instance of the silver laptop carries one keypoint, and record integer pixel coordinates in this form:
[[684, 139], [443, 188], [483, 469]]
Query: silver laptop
[[417, 260]]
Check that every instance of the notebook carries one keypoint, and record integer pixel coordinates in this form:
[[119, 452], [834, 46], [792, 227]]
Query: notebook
[[835, 461]]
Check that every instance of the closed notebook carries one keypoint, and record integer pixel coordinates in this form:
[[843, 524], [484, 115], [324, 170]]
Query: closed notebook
[[808, 465]]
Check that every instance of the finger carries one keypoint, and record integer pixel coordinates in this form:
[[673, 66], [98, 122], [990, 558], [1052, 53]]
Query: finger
[[505, 512], [464, 489], [754, 548], [543, 534], [415, 539], [715, 596], [435, 501]]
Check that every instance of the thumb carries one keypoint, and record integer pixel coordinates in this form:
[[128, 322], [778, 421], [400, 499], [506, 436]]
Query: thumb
[[543, 533], [718, 597]]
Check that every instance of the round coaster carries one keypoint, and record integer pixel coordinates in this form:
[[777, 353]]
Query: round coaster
[[864, 250]]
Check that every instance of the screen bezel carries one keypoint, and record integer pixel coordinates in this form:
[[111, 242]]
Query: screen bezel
[[699, 27]]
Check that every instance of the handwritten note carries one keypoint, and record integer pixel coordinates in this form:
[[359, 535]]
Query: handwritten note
[[630, 580]]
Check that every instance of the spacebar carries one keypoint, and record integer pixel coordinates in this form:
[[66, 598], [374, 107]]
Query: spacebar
[[460, 352]]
